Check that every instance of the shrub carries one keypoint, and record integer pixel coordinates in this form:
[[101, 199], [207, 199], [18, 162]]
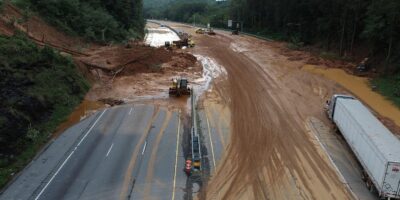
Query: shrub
[[33, 88]]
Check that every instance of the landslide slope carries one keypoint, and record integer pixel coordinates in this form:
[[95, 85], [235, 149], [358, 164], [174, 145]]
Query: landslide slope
[[39, 86]]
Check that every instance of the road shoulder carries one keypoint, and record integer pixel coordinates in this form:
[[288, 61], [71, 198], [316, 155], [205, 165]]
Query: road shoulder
[[44, 164]]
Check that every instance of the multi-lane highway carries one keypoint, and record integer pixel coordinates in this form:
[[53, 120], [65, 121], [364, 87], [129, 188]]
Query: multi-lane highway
[[127, 152], [120, 153]]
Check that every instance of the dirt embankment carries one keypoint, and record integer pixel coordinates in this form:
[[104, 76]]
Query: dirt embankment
[[12, 20], [117, 72], [140, 72]]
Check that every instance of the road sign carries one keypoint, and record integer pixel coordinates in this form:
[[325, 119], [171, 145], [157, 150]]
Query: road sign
[[230, 23]]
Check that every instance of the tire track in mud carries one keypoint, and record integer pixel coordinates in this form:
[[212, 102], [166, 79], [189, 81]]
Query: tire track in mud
[[216, 123], [267, 131]]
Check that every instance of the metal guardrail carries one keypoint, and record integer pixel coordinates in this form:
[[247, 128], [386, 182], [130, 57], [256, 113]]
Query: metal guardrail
[[172, 29], [196, 139], [194, 114]]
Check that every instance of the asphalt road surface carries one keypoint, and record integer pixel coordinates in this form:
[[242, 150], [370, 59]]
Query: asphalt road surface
[[128, 152]]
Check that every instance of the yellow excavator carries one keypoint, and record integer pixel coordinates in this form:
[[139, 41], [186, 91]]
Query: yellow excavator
[[179, 87]]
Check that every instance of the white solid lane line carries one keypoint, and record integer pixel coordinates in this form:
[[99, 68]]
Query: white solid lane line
[[69, 156], [109, 150], [130, 111], [212, 146], [87, 133], [144, 147], [176, 157]]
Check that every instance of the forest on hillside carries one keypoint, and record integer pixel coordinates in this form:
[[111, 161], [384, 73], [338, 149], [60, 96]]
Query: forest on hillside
[[190, 11], [96, 20], [357, 28], [41, 86]]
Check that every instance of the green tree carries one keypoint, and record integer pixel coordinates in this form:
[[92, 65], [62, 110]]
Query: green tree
[[383, 28], [97, 20]]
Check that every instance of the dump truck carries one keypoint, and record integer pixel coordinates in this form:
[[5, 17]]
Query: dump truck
[[180, 86], [376, 148]]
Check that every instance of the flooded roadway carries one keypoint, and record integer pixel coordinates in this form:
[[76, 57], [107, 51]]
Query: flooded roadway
[[360, 87], [157, 36]]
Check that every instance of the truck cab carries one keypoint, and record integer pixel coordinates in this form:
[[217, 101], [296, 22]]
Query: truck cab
[[332, 103]]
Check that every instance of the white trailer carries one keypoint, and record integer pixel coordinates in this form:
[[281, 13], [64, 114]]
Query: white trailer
[[377, 149]]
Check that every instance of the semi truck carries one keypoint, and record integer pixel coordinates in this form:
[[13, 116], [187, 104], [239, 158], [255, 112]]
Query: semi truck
[[376, 148]]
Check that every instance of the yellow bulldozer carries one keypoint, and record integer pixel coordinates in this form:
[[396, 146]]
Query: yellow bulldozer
[[180, 86]]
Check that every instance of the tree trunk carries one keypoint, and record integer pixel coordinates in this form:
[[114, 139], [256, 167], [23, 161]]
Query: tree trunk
[[343, 30], [389, 53], [353, 37]]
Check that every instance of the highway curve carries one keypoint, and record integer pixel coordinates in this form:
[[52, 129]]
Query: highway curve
[[261, 148], [271, 153]]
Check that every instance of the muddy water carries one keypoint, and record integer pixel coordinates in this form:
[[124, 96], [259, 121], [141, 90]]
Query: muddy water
[[157, 37], [360, 87], [83, 110], [211, 71]]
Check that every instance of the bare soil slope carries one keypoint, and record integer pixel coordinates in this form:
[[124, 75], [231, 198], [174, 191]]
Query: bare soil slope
[[117, 72], [12, 19]]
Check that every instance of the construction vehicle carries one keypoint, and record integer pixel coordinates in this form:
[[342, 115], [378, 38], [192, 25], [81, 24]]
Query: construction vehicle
[[179, 87], [210, 31], [184, 43], [200, 31], [236, 26], [191, 43], [196, 154], [168, 45], [181, 43]]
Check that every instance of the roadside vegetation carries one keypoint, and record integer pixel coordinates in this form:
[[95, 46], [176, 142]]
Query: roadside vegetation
[[389, 86], [189, 11], [39, 89], [39, 86], [96, 20], [347, 30]]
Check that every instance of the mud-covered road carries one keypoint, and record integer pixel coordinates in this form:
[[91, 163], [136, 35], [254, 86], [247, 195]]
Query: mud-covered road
[[271, 153]]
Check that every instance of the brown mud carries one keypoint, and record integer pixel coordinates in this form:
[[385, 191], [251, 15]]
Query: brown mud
[[146, 77], [361, 88], [270, 156], [271, 153], [86, 108]]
